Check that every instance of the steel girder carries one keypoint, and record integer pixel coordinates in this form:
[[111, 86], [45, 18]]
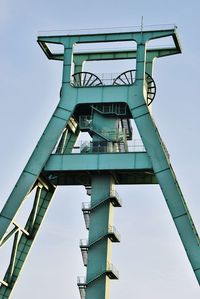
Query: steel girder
[[59, 137]]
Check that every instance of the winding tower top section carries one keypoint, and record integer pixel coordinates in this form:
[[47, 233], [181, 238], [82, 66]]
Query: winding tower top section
[[85, 87]]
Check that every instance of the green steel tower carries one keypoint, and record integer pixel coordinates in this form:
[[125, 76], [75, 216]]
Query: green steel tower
[[103, 107]]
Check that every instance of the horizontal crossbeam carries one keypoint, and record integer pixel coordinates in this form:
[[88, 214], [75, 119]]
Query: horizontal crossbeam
[[105, 161]]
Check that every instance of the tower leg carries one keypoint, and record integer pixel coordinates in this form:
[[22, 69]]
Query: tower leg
[[169, 185], [34, 167], [22, 244]]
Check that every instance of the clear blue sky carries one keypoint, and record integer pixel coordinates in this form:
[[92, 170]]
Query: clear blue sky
[[150, 258]]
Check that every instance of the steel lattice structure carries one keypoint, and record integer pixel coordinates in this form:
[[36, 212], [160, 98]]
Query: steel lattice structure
[[105, 111]]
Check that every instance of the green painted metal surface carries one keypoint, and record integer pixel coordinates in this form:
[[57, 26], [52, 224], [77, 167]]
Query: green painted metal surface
[[22, 244], [99, 247], [104, 111], [95, 161]]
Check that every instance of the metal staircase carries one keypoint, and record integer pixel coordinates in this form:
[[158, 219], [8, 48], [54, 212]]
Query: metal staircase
[[96, 239], [109, 271], [111, 109], [111, 233], [113, 197], [86, 125]]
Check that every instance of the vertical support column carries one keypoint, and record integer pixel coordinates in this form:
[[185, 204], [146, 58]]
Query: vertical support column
[[99, 247]]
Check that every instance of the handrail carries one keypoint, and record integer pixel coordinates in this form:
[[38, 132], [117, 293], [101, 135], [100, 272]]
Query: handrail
[[83, 243], [105, 232], [112, 194], [107, 30], [82, 282], [89, 147]]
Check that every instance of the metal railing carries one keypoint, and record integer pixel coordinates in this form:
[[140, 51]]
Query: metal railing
[[106, 79], [111, 230], [111, 268], [81, 280], [109, 78], [113, 108], [109, 147], [88, 31], [86, 122], [114, 193], [103, 233], [87, 205], [87, 147], [83, 243]]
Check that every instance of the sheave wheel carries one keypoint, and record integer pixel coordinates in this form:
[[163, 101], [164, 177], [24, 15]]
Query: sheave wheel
[[85, 79], [128, 78]]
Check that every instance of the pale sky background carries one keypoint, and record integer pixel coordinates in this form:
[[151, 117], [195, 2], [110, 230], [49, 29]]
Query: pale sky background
[[150, 257]]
